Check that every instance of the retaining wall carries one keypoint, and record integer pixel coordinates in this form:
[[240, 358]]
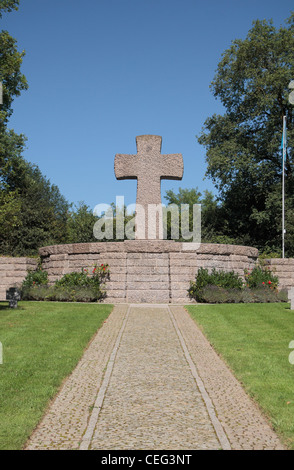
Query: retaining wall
[[13, 271], [142, 271], [146, 271]]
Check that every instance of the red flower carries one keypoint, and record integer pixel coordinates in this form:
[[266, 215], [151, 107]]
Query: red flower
[[269, 282], [263, 283]]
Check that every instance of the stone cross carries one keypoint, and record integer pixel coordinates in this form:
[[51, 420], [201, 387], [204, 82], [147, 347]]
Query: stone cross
[[149, 167]]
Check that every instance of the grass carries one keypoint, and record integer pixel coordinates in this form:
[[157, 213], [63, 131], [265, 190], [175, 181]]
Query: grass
[[42, 343], [254, 340]]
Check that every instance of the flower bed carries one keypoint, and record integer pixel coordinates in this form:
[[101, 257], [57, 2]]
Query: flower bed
[[260, 285], [84, 286]]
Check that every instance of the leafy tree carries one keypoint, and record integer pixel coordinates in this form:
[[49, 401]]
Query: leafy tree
[[40, 211], [244, 145], [80, 224], [13, 81], [8, 5], [10, 212], [212, 220], [32, 210]]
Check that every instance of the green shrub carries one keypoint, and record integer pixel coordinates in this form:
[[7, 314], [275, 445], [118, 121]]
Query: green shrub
[[283, 295], [220, 295], [227, 287], [81, 286], [214, 295], [63, 294], [225, 280], [261, 276], [38, 278], [36, 292]]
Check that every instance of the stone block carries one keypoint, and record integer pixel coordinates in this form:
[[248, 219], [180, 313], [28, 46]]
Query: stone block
[[179, 293], [143, 285], [179, 286], [152, 246], [2, 295], [114, 300], [180, 262], [147, 262], [182, 255], [60, 257], [116, 294], [276, 269], [75, 257], [16, 274], [148, 296], [147, 277], [184, 277], [118, 270], [187, 270], [286, 275], [110, 286], [113, 262], [110, 255], [114, 277], [6, 267]]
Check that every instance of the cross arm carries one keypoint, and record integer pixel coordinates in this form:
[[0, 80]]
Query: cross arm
[[125, 166], [172, 167]]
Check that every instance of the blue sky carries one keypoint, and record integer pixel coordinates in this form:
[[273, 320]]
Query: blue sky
[[101, 72]]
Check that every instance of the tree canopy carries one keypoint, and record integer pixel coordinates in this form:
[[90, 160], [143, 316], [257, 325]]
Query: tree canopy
[[32, 210], [8, 5], [243, 146]]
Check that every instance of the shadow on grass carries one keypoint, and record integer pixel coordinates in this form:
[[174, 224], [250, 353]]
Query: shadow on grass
[[5, 306]]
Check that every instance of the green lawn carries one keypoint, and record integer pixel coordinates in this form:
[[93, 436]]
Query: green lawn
[[254, 341], [42, 343]]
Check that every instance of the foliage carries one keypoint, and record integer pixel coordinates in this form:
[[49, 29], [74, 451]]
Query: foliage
[[221, 279], [215, 294], [269, 254], [219, 295], [212, 220], [10, 212], [80, 223], [43, 209], [261, 276], [13, 81], [8, 5], [32, 211], [35, 278], [227, 287], [84, 278], [84, 286], [244, 145], [62, 294]]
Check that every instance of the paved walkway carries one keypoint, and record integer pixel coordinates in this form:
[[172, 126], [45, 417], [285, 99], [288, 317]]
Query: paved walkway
[[151, 380]]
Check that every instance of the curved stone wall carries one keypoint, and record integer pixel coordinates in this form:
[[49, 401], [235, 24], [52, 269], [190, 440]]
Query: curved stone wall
[[149, 271], [13, 271]]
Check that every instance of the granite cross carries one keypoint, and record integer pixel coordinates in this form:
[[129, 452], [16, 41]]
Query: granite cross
[[149, 167]]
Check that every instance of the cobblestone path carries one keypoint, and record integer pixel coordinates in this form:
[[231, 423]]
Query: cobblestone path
[[150, 380]]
